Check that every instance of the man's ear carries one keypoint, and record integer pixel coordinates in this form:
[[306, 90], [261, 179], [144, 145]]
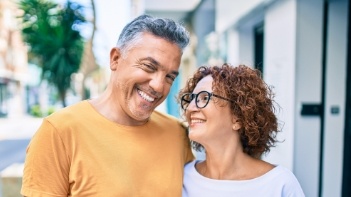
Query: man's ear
[[115, 56]]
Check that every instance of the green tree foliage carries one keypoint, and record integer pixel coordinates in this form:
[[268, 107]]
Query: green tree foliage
[[55, 43]]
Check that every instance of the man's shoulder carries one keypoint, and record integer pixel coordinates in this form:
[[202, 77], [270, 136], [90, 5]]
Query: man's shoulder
[[70, 111], [158, 116]]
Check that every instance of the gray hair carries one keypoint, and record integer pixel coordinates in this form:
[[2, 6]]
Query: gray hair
[[160, 27]]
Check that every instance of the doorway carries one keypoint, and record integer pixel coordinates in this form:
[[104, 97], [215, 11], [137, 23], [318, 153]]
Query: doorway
[[259, 46], [346, 179]]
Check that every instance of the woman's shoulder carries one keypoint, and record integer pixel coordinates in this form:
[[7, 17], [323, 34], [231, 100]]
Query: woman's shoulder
[[189, 168], [282, 171], [284, 175], [191, 164]]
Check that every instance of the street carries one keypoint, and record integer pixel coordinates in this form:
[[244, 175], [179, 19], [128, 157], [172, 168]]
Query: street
[[12, 151], [15, 134]]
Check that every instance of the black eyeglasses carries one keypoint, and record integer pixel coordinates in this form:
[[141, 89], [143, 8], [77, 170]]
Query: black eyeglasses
[[201, 99]]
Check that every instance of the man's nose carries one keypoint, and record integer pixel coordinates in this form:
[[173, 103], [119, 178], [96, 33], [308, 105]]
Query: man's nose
[[157, 83]]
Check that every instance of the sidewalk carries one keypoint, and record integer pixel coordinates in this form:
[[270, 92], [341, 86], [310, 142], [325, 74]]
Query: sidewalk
[[21, 127], [15, 134]]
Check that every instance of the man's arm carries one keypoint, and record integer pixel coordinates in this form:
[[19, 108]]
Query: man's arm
[[189, 155], [46, 168]]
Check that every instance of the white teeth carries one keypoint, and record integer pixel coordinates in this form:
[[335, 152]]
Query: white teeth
[[145, 96], [197, 121]]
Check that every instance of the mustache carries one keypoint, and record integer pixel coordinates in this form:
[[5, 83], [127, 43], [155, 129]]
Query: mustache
[[150, 91]]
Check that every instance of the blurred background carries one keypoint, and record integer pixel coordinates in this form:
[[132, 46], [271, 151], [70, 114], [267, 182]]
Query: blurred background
[[54, 53]]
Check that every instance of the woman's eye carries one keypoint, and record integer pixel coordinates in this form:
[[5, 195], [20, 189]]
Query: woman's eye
[[205, 98]]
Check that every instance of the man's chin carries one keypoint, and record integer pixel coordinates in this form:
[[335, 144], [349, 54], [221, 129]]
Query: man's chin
[[142, 116]]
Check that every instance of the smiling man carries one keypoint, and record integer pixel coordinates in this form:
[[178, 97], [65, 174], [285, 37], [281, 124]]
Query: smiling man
[[141, 78], [116, 144]]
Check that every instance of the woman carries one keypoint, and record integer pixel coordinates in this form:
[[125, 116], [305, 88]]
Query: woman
[[230, 112]]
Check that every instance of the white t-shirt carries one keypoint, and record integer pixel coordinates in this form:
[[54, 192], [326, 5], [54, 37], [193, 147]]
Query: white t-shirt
[[277, 182]]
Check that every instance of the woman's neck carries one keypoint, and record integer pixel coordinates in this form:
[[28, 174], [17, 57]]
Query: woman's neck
[[232, 165]]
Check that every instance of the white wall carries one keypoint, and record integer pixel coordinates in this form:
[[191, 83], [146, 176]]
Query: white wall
[[293, 57], [309, 39], [111, 17], [229, 11], [335, 96], [279, 71], [246, 46], [232, 47]]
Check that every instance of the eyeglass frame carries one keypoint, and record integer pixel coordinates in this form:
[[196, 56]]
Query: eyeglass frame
[[196, 95]]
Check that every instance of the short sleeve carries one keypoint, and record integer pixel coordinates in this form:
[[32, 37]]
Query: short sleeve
[[46, 169], [292, 186], [189, 156]]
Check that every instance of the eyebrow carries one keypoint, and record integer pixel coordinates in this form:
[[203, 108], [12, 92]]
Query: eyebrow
[[156, 63]]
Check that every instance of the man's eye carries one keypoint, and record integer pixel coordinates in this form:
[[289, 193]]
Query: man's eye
[[170, 78], [149, 67]]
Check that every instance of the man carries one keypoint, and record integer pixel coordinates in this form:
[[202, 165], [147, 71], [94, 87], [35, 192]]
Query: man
[[116, 144]]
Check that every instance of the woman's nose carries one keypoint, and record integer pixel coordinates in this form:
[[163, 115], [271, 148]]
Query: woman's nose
[[192, 105]]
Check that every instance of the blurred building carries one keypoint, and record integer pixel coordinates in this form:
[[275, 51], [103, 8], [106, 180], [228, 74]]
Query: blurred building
[[13, 61], [303, 49]]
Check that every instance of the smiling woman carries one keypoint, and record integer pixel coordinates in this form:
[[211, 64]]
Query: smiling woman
[[230, 113]]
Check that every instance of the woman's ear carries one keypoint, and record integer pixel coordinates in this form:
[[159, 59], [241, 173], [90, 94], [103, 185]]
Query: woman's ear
[[115, 56], [236, 124]]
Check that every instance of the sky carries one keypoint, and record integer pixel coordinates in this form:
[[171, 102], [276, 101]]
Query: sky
[[111, 17]]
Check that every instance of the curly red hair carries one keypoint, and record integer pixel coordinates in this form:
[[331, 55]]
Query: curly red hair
[[252, 104]]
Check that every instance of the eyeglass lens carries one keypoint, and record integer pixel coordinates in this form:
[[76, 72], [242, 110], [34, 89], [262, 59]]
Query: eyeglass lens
[[201, 99]]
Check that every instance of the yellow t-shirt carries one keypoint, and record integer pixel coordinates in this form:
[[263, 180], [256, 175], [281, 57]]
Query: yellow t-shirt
[[78, 152]]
